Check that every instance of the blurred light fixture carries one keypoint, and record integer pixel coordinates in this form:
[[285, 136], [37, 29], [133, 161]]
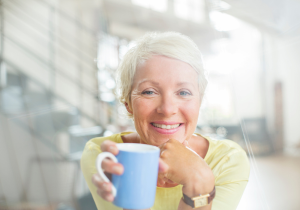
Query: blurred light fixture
[[106, 82], [157, 5], [107, 97], [223, 22], [221, 131], [107, 52], [103, 89], [103, 76], [100, 63], [110, 83]]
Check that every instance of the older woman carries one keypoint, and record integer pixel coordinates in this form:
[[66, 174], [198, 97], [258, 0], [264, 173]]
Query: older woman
[[162, 84]]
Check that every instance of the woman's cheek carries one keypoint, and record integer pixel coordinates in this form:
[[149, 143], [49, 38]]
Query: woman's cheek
[[144, 105], [191, 108]]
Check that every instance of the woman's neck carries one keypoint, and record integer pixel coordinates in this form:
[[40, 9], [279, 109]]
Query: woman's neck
[[131, 138]]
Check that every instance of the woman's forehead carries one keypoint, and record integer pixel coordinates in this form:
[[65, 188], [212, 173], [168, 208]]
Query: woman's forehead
[[161, 69]]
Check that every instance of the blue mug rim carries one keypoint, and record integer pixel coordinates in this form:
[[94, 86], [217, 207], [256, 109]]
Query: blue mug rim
[[151, 148]]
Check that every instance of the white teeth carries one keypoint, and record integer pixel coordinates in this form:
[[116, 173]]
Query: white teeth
[[165, 126]]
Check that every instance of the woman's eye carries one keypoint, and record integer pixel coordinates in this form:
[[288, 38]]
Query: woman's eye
[[148, 92], [184, 93]]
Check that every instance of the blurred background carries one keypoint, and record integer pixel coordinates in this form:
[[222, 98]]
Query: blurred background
[[57, 90]]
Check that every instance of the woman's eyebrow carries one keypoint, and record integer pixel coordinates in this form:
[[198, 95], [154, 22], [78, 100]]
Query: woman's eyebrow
[[146, 80], [186, 83], [156, 83]]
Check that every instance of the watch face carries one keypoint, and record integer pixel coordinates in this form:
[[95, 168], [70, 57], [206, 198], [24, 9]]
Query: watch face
[[200, 202]]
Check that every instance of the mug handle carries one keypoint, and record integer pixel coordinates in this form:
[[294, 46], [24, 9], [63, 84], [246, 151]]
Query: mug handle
[[99, 160]]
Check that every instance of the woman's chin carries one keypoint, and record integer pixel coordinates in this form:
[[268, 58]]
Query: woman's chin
[[157, 141], [164, 140]]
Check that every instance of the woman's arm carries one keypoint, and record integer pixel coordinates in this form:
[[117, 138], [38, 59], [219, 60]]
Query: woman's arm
[[231, 181], [188, 169]]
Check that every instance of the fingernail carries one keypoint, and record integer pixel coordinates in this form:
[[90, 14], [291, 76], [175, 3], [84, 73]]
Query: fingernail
[[117, 169], [112, 149], [109, 197], [97, 179]]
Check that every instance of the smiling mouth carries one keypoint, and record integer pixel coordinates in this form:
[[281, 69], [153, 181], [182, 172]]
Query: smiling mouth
[[167, 127]]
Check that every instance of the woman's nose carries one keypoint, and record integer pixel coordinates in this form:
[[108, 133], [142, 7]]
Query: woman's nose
[[167, 106]]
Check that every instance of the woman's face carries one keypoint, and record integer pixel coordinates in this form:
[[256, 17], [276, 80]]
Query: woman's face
[[165, 100]]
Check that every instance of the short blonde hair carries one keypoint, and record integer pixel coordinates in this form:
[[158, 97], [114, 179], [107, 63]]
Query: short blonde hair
[[169, 44]]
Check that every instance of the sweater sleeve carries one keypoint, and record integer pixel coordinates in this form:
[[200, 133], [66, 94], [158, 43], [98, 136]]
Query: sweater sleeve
[[232, 181]]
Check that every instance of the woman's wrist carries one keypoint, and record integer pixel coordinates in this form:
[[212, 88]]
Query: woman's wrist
[[199, 185], [197, 189]]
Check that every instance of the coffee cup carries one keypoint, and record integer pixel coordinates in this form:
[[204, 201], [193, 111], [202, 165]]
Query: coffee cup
[[136, 187]]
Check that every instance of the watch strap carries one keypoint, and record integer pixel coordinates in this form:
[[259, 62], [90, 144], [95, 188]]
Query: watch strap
[[211, 195], [191, 202]]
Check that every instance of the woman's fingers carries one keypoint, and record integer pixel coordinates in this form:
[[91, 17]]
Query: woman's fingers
[[107, 196], [104, 189], [109, 146], [162, 167], [111, 167], [100, 184]]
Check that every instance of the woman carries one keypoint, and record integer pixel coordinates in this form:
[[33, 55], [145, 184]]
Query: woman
[[162, 84]]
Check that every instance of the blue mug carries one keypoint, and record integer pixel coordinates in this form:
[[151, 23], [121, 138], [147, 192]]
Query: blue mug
[[136, 187]]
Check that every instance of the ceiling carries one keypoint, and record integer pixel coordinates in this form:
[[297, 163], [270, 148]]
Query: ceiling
[[276, 16], [129, 21]]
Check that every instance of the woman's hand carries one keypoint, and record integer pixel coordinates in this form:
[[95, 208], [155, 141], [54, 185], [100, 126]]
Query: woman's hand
[[104, 189], [186, 168]]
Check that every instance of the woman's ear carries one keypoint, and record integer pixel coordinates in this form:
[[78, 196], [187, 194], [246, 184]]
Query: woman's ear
[[128, 108]]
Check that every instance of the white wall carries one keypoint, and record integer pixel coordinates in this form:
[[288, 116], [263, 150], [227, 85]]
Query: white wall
[[289, 64], [283, 65]]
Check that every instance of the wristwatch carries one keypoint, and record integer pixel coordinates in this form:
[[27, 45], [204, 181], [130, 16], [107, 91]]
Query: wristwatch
[[199, 201]]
